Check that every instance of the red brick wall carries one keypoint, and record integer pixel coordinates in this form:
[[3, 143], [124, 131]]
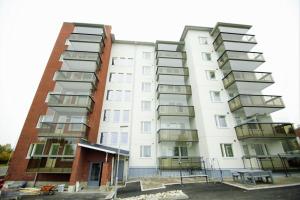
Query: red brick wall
[[18, 163]]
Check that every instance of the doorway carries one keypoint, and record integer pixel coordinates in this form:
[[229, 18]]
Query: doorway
[[94, 174]]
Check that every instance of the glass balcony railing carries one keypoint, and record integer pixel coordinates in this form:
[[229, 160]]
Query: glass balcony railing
[[86, 38], [240, 55], [233, 37], [244, 100], [84, 46], [259, 77], [177, 135], [174, 162], [84, 56], [62, 129], [265, 130], [172, 110], [169, 46], [50, 165], [91, 30], [170, 62], [174, 89], [176, 71], [70, 100], [171, 54], [75, 76]]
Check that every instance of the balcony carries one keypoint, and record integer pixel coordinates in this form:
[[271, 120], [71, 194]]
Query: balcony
[[85, 79], [86, 38], [85, 46], [177, 135], [170, 62], [62, 130], [171, 54], [240, 60], [234, 41], [82, 102], [176, 71], [169, 46], [81, 56], [265, 130], [49, 165], [169, 163], [89, 29], [172, 110], [79, 65], [255, 104], [174, 89], [245, 81]]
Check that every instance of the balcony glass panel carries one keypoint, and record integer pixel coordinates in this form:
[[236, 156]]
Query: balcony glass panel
[[85, 38], [173, 163], [170, 110], [262, 77], [77, 55], [234, 37], [174, 89], [255, 101], [79, 65], [74, 76], [50, 165], [265, 130], [70, 100], [88, 30], [169, 46], [171, 54], [84, 46], [184, 71], [236, 55], [179, 135], [169, 62], [228, 29]]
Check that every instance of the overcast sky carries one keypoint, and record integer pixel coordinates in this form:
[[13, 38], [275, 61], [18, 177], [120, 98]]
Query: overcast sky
[[29, 28]]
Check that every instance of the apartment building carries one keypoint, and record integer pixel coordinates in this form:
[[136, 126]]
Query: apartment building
[[108, 108]]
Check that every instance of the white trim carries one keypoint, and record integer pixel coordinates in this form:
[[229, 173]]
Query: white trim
[[96, 148]]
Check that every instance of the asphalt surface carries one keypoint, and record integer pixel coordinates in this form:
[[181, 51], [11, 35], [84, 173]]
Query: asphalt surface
[[211, 191]]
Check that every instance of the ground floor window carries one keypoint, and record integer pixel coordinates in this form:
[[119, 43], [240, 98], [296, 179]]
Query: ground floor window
[[226, 150]]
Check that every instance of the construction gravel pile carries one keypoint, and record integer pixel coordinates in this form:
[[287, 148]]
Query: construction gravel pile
[[175, 194]]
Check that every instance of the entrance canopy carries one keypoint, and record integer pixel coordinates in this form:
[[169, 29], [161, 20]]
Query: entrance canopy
[[103, 148]]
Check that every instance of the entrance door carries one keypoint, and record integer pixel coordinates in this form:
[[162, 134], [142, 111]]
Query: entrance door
[[121, 170], [94, 174]]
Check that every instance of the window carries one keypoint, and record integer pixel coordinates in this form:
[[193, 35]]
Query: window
[[69, 149], [114, 138], [122, 61], [38, 149], [146, 87], [116, 118], [112, 77], [76, 123], [104, 138], [106, 116], [215, 96], [125, 116], [246, 150], [110, 95], [258, 148], [146, 70], [180, 151], [206, 56], [124, 138], [145, 151], [128, 78], [118, 95], [147, 55], [203, 40], [221, 121], [54, 149], [146, 105], [127, 95], [211, 75], [146, 127], [226, 150]]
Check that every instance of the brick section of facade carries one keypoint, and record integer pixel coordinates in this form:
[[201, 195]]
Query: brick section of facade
[[18, 163]]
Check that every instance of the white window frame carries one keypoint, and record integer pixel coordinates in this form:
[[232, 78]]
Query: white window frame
[[208, 76], [146, 86], [224, 151], [206, 56], [116, 120], [128, 116], [147, 55], [147, 70], [106, 115], [217, 120], [203, 40], [142, 151], [143, 104], [214, 98], [144, 124]]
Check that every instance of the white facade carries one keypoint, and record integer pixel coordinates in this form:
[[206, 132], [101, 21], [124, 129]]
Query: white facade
[[220, 112]]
